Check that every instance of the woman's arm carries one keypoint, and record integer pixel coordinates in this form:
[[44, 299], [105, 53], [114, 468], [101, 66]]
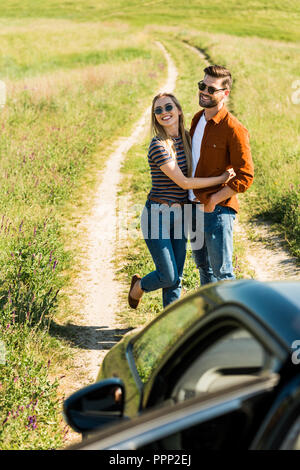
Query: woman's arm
[[172, 170]]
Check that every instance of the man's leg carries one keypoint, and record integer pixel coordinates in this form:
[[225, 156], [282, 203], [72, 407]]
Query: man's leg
[[203, 265], [200, 254], [219, 241]]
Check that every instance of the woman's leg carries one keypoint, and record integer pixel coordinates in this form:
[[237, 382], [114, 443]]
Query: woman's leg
[[156, 223], [165, 274], [163, 230], [172, 293], [179, 241]]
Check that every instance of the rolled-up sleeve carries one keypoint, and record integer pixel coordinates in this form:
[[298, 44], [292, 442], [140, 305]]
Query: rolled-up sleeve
[[241, 159]]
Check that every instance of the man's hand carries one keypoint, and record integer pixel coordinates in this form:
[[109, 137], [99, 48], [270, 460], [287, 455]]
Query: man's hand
[[210, 205], [218, 197]]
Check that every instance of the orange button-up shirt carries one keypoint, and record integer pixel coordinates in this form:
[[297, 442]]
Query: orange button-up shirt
[[225, 144]]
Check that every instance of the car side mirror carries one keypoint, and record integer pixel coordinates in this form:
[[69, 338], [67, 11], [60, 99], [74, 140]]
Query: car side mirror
[[95, 406]]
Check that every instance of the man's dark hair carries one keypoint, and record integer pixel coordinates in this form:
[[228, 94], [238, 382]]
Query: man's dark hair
[[218, 71]]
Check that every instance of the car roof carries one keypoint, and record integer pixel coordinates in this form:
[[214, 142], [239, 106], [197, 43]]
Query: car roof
[[276, 305]]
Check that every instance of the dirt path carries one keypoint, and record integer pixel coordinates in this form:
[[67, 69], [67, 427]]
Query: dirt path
[[96, 327], [267, 256]]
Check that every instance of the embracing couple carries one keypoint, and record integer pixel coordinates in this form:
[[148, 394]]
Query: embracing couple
[[202, 170]]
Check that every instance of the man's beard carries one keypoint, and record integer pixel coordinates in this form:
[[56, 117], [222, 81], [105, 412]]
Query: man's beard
[[210, 103]]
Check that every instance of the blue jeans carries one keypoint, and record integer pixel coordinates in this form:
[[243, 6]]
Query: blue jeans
[[163, 231], [214, 259]]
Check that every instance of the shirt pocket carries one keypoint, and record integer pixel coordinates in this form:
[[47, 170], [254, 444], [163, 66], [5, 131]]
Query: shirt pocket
[[215, 155]]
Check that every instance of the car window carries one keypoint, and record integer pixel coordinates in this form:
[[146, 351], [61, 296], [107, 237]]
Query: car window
[[234, 358], [149, 349]]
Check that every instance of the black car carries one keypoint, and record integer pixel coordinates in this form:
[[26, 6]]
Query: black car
[[219, 369]]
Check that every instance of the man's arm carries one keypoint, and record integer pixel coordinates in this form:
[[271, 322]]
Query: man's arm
[[241, 161], [218, 197]]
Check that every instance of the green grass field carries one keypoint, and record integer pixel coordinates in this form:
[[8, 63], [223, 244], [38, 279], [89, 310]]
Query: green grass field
[[78, 75]]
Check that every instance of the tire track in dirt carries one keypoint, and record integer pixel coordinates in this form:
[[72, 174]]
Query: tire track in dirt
[[268, 256]]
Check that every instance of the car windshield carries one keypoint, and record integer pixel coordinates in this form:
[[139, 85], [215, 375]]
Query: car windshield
[[161, 335]]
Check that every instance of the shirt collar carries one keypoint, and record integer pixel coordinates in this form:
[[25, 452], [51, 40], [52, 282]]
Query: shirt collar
[[220, 115]]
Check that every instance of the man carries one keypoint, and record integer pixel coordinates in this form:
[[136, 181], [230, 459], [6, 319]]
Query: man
[[219, 141]]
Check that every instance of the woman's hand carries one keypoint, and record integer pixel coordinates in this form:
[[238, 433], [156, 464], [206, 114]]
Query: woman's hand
[[228, 175]]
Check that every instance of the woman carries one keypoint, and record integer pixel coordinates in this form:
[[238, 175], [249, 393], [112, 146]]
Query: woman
[[170, 160]]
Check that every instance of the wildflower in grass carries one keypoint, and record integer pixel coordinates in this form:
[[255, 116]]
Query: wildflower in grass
[[20, 226], [65, 431], [34, 404], [5, 420], [54, 264], [31, 422], [237, 267]]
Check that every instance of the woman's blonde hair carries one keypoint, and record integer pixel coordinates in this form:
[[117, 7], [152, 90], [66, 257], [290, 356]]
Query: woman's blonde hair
[[158, 131]]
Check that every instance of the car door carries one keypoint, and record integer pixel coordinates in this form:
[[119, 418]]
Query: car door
[[222, 420]]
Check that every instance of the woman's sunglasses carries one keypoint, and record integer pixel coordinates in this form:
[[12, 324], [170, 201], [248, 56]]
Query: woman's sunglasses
[[211, 89], [160, 109]]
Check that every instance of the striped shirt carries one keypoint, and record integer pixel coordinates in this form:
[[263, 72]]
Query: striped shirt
[[162, 186]]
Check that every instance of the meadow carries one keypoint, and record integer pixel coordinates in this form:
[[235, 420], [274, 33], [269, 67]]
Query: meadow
[[78, 74]]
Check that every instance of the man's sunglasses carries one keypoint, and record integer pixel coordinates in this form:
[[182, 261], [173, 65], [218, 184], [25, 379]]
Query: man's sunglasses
[[160, 109], [211, 89]]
